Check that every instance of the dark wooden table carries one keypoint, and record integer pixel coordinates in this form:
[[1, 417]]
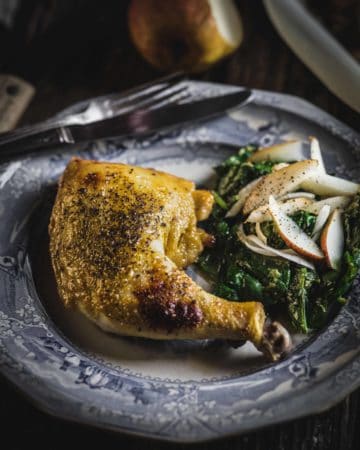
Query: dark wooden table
[[71, 50]]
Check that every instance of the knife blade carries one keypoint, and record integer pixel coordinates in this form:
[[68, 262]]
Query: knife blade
[[315, 46], [135, 123]]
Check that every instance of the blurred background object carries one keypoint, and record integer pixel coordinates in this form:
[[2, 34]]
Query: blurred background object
[[342, 19], [7, 11], [75, 49], [317, 48], [188, 35], [15, 96]]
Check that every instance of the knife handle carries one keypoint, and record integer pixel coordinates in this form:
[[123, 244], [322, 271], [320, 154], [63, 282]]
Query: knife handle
[[15, 95], [34, 141]]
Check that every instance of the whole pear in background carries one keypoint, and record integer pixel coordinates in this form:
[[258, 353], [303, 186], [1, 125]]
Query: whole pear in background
[[188, 35]]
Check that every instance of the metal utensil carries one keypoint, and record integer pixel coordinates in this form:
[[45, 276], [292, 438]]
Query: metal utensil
[[315, 46], [138, 122], [162, 89]]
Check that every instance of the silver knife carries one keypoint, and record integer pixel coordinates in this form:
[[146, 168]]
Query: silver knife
[[134, 123], [315, 46]]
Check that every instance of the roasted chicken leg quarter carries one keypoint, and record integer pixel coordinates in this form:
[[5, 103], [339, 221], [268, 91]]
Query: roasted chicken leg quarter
[[120, 236]]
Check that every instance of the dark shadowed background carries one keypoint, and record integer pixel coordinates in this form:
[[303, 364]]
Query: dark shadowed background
[[74, 49]]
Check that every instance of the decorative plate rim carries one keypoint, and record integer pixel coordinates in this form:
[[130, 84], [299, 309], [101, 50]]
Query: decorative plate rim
[[206, 416]]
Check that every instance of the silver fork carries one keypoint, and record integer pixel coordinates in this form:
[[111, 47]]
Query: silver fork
[[152, 95]]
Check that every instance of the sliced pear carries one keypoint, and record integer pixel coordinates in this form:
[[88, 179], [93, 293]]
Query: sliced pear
[[332, 240], [286, 254], [256, 249], [255, 244], [339, 202], [296, 195], [321, 219], [262, 214], [259, 233], [259, 215], [315, 153], [228, 21], [279, 183], [292, 234], [285, 152], [242, 196], [279, 166], [323, 184]]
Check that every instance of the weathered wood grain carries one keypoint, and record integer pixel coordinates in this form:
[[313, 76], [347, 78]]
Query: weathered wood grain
[[71, 50]]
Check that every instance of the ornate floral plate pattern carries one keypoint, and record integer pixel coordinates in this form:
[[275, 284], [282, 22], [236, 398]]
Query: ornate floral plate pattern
[[76, 381]]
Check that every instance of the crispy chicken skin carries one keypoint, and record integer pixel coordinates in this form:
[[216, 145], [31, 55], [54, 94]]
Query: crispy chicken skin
[[120, 236]]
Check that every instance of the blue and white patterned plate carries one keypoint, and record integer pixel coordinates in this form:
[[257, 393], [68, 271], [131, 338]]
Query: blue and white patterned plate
[[181, 391]]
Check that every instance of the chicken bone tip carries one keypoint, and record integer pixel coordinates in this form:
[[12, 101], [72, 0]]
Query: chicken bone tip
[[276, 342]]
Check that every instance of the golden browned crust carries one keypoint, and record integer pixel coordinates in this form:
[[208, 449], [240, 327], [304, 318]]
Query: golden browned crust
[[119, 236]]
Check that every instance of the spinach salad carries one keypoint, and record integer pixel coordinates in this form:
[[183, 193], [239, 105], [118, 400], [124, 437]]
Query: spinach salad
[[308, 293]]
